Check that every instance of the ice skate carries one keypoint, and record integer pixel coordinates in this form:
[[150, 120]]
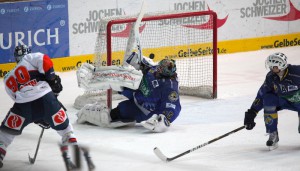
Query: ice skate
[[272, 142], [69, 139]]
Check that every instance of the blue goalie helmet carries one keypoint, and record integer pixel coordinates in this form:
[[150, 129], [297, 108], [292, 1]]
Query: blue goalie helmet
[[167, 67], [20, 51]]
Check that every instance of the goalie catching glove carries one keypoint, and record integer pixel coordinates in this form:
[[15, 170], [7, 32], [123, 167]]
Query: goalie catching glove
[[157, 123]]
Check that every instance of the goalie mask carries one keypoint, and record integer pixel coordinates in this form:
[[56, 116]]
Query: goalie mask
[[20, 51], [167, 67], [277, 59]]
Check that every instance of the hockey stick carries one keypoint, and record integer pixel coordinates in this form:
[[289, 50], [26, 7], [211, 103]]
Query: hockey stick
[[135, 35], [137, 31], [160, 155], [32, 160]]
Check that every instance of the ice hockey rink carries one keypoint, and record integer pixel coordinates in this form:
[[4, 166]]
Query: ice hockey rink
[[239, 77]]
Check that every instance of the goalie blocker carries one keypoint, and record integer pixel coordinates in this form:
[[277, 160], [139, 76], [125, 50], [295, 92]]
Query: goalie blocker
[[106, 77]]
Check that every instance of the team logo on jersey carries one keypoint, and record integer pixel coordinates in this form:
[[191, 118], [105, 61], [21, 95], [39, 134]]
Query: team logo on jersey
[[59, 117], [155, 83], [292, 88], [173, 96], [170, 105], [14, 121], [144, 87], [269, 120]]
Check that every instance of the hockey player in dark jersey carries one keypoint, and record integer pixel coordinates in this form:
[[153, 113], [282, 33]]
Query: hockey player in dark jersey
[[33, 86], [279, 91], [155, 104]]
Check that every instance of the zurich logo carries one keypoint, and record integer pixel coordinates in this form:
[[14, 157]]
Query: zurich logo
[[2, 11], [26, 9], [49, 7]]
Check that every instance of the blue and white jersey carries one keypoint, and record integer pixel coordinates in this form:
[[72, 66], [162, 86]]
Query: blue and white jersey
[[287, 87], [158, 95], [27, 81]]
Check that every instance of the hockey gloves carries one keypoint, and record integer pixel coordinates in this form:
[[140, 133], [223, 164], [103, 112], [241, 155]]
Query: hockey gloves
[[250, 115], [157, 123], [55, 84]]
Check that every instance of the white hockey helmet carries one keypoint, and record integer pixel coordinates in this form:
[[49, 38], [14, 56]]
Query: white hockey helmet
[[20, 51], [277, 59]]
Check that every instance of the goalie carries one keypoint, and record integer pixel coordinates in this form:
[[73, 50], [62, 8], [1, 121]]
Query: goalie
[[154, 103]]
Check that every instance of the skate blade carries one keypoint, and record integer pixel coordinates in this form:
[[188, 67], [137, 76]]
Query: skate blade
[[273, 147]]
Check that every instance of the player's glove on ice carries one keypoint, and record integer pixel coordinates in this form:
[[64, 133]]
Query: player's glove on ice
[[250, 115]]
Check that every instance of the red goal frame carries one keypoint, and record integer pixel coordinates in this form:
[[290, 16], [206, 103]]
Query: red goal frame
[[160, 17]]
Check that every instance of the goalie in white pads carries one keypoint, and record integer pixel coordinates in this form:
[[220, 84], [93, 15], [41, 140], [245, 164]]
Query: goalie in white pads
[[154, 103]]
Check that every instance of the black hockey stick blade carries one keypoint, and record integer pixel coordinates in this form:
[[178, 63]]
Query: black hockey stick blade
[[31, 160], [160, 155]]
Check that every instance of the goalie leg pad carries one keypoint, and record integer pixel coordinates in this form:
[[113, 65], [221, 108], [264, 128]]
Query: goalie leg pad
[[97, 114]]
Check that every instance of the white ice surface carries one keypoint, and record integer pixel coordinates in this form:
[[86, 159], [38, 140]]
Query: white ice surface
[[239, 77]]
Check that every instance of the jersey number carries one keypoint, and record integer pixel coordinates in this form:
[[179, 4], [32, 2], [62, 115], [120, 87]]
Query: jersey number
[[20, 76]]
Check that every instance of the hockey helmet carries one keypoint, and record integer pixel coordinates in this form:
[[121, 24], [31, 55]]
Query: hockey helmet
[[20, 51], [167, 67], [277, 59]]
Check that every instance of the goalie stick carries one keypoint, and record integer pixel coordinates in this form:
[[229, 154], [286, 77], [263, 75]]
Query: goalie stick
[[135, 31], [160, 155]]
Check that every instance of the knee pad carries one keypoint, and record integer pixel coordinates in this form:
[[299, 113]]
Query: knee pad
[[270, 109]]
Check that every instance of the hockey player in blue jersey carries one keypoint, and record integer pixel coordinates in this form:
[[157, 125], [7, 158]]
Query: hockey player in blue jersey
[[280, 90], [155, 104]]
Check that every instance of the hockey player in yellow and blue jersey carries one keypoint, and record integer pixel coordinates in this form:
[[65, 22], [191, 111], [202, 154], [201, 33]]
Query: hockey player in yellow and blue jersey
[[280, 90]]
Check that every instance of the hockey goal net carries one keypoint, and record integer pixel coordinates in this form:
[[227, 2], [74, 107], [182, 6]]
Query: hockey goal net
[[190, 38]]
